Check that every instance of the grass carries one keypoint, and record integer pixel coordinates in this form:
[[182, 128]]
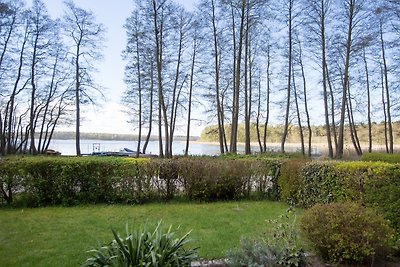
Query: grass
[[59, 236]]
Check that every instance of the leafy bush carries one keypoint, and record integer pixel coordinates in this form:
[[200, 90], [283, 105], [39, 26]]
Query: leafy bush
[[281, 246], [43, 181], [346, 232], [144, 248], [290, 180], [252, 253], [207, 180], [384, 194], [384, 157], [320, 184]]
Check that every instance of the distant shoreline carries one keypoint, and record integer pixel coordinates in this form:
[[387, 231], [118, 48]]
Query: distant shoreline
[[112, 137]]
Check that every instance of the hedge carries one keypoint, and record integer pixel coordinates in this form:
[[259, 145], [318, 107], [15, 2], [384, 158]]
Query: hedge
[[384, 157], [43, 181], [375, 184]]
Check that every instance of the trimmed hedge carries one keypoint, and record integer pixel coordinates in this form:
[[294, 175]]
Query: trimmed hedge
[[375, 184], [42, 181], [384, 157]]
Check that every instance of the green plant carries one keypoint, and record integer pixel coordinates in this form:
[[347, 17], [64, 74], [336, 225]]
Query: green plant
[[280, 247], [390, 158], [144, 248], [290, 180], [252, 253], [346, 232]]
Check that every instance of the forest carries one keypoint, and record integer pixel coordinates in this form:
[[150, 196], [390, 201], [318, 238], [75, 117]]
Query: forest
[[256, 63]]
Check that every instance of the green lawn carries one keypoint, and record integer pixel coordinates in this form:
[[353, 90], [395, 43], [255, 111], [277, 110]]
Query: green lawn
[[59, 236]]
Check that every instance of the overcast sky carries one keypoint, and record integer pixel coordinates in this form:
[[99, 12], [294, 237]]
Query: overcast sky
[[108, 118]]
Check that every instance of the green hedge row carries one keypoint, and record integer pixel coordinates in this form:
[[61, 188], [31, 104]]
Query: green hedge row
[[384, 157], [41, 181], [375, 184]]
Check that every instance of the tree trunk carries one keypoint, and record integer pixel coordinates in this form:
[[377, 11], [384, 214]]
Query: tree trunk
[[191, 93], [368, 102], [339, 152], [268, 99], [388, 111], [77, 104], [303, 75], [296, 101], [236, 91], [324, 81], [289, 78], [384, 111], [220, 117], [151, 108]]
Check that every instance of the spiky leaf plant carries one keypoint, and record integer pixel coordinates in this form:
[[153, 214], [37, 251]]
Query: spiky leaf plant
[[142, 247]]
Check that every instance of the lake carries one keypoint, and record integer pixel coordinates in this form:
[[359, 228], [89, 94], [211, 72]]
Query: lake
[[67, 147]]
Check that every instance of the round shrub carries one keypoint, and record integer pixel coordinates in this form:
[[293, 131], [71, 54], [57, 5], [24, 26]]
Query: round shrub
[[346, 232]]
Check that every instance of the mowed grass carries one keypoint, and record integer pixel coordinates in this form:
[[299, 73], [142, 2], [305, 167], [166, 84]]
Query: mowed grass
[[60, 236]]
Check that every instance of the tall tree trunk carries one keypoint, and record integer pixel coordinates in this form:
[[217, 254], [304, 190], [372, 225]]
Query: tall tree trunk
[[352, 127], [138, 69], [303, 75], [151, 108], [332, 100], [296, 101], [236, 91], [384, 110], [9, 116], [368, 102], [175, 94], [324, 81], [259, 116], [388, 106], [247, 86], [289, 78], [190, 94], [32, 124], [221, 130], [159, 56], [339, 152], [268, 99], [77, 104]]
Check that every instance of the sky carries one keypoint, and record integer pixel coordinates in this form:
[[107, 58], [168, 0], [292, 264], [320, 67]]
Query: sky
[[109, 118]]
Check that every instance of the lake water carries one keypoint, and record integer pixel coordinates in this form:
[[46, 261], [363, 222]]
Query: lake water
[[67, 147]]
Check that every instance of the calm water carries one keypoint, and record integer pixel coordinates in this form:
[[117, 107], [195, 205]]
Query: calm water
[[67, 147]]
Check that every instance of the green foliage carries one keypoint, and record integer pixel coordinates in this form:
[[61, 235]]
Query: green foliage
[[374, 184], [384, 157], [42, 181], [346, 232], [279, 248], [252, 253], [319, 184], [383, 192], [289, 180], [142, 247]]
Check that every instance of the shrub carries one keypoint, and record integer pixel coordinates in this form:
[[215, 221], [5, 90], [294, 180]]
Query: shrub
[[345, 232], [319, 184], [144, 248], [383, 193], [280, 247], [290, 180], [43, 181], [208, 180], [384, 157], [252, 253]]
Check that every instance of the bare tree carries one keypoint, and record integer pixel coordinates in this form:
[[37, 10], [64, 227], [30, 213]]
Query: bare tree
[[86, 37]]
